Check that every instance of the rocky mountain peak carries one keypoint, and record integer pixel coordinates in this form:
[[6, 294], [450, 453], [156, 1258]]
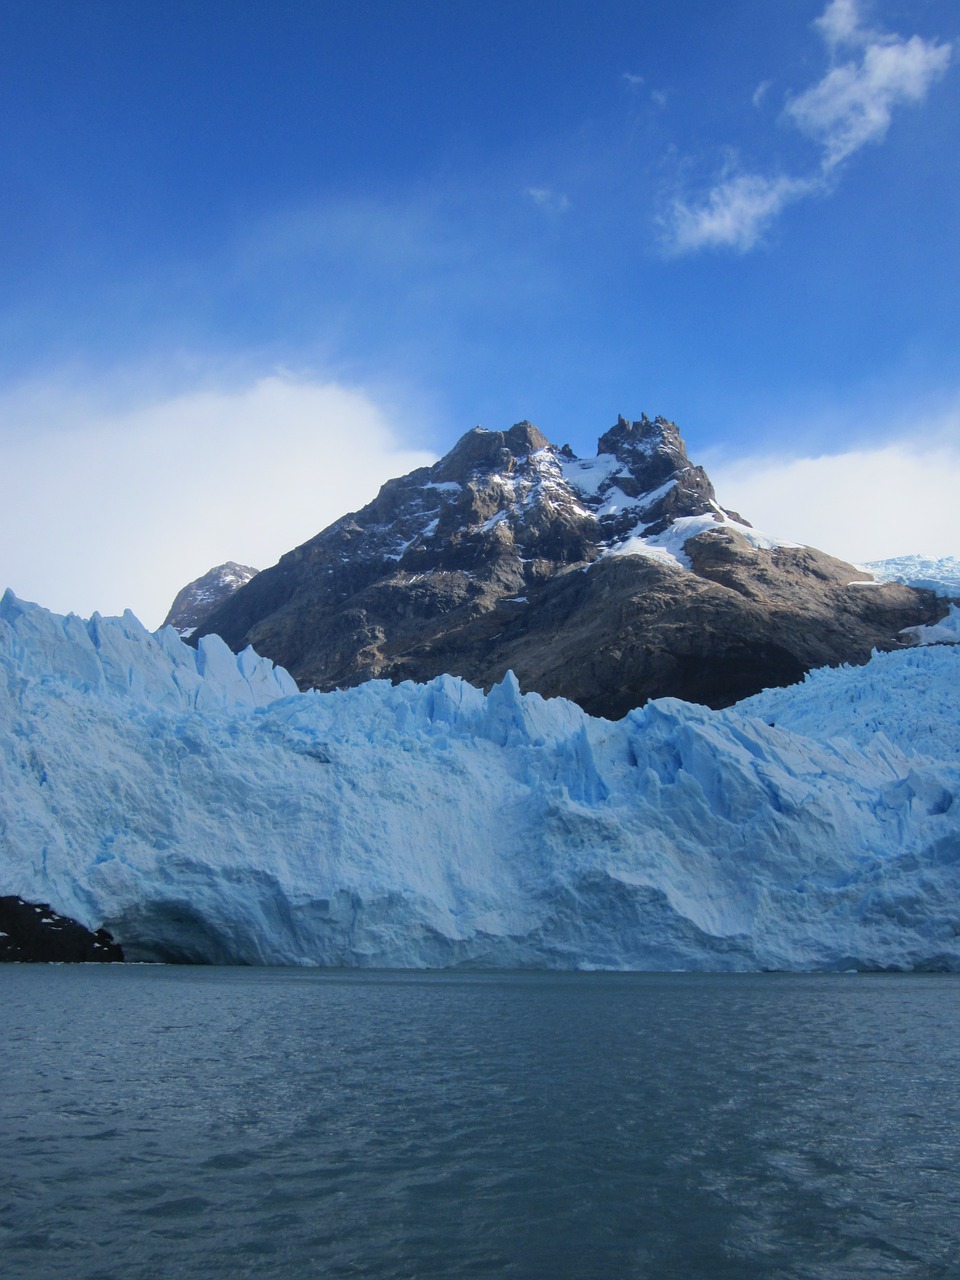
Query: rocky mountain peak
[[482, 450], [644, 435], [652, 450], [198, 599], [654, 467]]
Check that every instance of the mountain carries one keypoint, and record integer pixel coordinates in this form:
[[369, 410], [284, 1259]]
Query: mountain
[[197, 600], [606, 580], [938, 574], [197, 807]]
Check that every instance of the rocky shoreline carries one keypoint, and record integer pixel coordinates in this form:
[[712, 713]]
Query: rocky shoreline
[[33, 933]]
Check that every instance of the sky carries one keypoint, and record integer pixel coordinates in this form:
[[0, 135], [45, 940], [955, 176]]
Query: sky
[[256, 259]]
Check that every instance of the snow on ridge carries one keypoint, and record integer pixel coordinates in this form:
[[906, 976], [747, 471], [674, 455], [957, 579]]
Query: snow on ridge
[[588, 475], [424, 825], [615, 501], [668, 546], [539, 478]]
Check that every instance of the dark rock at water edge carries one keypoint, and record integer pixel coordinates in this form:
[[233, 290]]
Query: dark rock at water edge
[[33, 933]]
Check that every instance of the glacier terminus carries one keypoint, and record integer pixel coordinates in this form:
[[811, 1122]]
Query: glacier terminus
[[201, 809]]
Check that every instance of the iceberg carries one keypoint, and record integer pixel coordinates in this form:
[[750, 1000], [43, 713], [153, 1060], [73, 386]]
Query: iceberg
[[200, 808]]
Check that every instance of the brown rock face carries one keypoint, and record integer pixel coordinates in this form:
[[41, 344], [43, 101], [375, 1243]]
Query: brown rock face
[[608, 580], [197, 600]]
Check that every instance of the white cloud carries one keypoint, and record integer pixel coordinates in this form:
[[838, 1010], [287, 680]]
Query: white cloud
[[864, 504], [842, 23], [760, 92], [632, 80], [851, 106], [546, 198], [735, 213], [112, 509]]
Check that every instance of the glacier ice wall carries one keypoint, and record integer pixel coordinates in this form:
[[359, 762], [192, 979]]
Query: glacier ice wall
[[203, 810]]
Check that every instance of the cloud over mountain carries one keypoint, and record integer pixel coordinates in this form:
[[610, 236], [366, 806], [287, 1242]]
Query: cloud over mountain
[[851, 106]]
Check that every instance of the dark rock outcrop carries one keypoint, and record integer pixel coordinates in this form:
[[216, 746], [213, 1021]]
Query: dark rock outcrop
[[198, 599], [34, 933], [608, 580]]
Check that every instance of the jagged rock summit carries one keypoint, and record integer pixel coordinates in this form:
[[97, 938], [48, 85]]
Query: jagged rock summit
[[197, 600], [607, 580]]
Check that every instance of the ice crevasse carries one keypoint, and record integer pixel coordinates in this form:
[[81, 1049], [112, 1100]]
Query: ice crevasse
[[201, 809]]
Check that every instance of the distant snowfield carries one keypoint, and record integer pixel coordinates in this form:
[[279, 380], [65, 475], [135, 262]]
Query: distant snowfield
[[939, 574], [205, 811]]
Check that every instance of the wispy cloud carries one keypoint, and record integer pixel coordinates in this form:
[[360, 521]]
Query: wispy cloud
[[760, 92], [735, 213], [636, 82], [853, 104], [548, 199], [850, 106], [842, 23]]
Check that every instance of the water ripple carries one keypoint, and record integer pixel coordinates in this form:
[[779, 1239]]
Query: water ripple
[[204, 1123]]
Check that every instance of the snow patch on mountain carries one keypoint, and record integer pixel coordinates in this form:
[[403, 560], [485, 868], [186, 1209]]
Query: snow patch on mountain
[[669, 545], [590, 477]]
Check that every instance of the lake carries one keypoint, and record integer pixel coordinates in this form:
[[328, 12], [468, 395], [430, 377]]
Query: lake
[[202, 1122]]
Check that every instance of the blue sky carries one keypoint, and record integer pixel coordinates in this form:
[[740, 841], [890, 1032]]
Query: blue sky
[[257, 258]]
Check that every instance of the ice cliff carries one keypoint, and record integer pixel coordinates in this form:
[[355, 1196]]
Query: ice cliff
[[201, 809]]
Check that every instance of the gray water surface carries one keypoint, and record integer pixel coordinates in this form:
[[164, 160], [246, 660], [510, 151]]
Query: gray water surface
[[198, 1122]]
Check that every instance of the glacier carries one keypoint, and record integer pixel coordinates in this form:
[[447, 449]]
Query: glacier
[[201, 809], [940, 574]]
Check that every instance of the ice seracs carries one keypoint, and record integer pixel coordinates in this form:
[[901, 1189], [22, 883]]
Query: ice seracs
[[108, 656], [199, 808], [946, 631]]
